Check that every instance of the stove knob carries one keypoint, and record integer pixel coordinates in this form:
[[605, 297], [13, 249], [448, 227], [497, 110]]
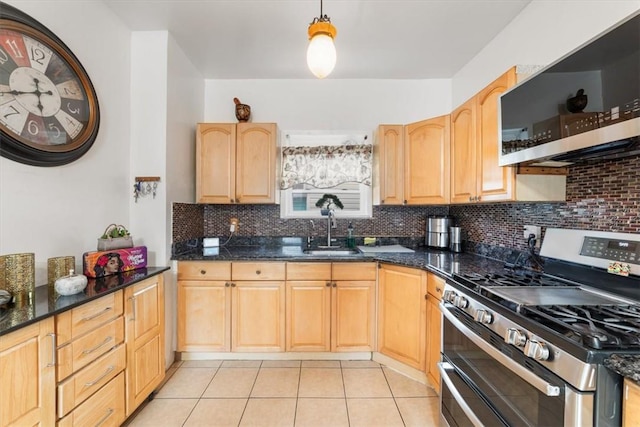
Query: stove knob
[[536, 350], [460, 301], [483, 316], [515, 337], [448, 296]]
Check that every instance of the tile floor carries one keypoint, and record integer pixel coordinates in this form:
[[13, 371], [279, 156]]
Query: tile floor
[[288, 393]]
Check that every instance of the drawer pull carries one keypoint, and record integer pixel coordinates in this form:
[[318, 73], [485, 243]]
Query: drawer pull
[[97, 380], [86, 319], [258, 272], [110, 412], [203, 272], [438, 289], [53, 350], [91, 350]]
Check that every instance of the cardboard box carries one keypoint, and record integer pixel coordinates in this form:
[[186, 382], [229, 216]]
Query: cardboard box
[[104, 263]]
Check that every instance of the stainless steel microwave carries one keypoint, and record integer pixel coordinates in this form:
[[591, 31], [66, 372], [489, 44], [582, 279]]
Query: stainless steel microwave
[[585, 105]]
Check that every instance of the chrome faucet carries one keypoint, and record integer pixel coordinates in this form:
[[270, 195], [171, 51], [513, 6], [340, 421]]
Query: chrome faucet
[[331, 223], [310, 235]]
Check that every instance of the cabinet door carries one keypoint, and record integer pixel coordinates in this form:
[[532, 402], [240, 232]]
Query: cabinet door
[[495, 183], [216, 163], [434, 326], [631, 404], [258, 316], [353, 315], [28, 383], [204, 315], [426, 161], [144, 335], [402, 314], [308, 315], [257, 157], [463, 153], [391, 164]]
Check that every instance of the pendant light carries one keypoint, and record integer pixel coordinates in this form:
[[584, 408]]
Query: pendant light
[[321, 53]]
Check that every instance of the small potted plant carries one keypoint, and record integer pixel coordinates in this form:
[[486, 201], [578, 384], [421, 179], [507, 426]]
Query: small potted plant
[[326, 201]]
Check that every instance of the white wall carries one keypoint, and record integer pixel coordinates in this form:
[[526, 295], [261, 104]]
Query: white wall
[[329, 104], [542, 33], [63, 210]]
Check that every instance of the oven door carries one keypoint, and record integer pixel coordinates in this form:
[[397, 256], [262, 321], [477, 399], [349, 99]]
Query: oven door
[[483, 377]]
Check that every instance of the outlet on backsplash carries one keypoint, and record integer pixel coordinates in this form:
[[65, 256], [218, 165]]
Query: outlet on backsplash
[[534, 230]]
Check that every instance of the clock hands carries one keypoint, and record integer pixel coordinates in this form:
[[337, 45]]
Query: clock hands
[[37, 92]]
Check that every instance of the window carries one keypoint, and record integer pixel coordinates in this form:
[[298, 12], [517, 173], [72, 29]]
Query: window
[[315, 164]]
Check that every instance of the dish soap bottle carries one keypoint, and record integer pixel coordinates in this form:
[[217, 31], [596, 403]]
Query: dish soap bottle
[[351, 240]]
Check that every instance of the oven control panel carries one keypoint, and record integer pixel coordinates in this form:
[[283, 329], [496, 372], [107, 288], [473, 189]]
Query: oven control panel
[[611, 249]]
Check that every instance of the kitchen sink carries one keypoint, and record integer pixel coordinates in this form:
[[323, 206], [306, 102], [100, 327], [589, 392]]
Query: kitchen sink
[[332, 251]]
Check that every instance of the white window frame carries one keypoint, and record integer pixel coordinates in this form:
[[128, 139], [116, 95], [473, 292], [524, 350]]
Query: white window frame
[[315, 138]]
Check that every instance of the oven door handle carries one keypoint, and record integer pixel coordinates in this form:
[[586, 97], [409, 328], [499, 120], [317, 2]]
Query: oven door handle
[[542, 385], [443, 367]]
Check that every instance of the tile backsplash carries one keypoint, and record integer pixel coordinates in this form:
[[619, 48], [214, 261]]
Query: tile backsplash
[[601, 195]]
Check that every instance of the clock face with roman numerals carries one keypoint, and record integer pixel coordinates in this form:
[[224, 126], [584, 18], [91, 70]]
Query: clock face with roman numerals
[[48, 107]]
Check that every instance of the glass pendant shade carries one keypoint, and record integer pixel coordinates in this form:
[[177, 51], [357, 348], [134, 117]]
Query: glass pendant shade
[[321, 52]]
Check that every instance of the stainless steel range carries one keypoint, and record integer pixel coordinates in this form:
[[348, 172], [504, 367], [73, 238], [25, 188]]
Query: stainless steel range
[[522, 348]]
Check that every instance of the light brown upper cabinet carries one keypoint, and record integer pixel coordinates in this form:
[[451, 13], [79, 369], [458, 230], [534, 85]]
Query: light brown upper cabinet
[[237, 163], [390, 147], [475, 174], [426, 161]]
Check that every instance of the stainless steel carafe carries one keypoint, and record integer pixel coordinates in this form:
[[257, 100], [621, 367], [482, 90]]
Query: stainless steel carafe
[[455, 239]]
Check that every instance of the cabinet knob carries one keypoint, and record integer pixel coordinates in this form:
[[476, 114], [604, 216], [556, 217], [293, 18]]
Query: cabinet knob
[[233, 285], [471, 198], [335, 285], [328, 284], [227, 284], [232, 201], [203, 271], [258, 272], [438, 289], [404, 202], [478, 198]]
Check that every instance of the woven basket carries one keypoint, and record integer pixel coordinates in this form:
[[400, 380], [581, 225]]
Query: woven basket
[[110, 243], [17, 275]]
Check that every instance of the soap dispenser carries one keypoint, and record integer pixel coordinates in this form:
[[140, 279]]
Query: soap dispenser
[[351, 240]]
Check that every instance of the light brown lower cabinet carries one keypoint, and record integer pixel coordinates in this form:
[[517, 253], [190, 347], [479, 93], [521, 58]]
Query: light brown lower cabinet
[[402, 313], [28, 381], [330, 306], [631, 404], [144, 338], [435, 288]]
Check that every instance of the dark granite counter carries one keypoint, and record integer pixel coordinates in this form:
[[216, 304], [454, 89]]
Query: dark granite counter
[[626, 365], [441, 262], [46, 302]]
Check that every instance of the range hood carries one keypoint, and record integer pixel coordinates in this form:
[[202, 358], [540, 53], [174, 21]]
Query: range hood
[[544, 120]]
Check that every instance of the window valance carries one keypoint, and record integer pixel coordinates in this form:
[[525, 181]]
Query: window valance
[[326, 166]]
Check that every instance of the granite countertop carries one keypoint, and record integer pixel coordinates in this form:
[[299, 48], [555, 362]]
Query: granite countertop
[[627, 365], [439, 261], [46, 302]]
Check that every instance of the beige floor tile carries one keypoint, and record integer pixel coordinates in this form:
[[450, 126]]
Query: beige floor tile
[[373, 412], [280, 364], [232, 382], [402, 386], [187, 383], [359, 364], [269, 413], [419, 411], [320, 363], [241, 363], [321, 382], [276, 382], [201, 363], [217, 412], [321, 413], [365, 383], [164, 412]]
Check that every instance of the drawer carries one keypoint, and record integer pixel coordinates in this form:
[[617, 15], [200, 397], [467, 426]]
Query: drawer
[[80, 320], [309, 271], [204, 270], [79, 353], [258, 271], [105, 408], [435, 285], [83, 384], [354, 271]]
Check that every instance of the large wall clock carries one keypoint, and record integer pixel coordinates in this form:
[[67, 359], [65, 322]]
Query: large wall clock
[[49, 112]]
